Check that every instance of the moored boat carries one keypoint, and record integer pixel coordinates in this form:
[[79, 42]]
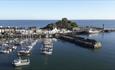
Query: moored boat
[[93, 31], [21, 62], [23, 53], [47, 47], [47, 52]]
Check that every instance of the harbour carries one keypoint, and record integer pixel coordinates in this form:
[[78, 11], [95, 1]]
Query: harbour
[[67, 55], [57, 35], [64, 54]]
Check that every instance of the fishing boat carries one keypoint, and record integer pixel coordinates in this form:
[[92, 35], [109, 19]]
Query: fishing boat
[[21, 62]]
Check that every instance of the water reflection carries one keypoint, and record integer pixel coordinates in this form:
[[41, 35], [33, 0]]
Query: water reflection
[[46, 59], [93, 35], [20, 67]]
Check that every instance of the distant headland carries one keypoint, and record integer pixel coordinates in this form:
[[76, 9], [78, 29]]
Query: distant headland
[[62, 24]]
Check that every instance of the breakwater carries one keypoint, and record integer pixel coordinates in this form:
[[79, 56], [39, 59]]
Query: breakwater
[[89, 43]]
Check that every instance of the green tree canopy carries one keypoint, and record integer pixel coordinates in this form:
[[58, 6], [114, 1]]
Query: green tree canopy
[[64, 23]]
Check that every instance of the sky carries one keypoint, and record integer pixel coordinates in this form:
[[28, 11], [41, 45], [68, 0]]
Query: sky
[[56, 9]]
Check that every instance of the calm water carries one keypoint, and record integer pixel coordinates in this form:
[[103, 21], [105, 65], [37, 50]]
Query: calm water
[[67, 55], [42, 23]]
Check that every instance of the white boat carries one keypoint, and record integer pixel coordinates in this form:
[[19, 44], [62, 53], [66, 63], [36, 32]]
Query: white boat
[[47, 47], [54, 39], [24, 51], [47, 41], [34, 43], [30, 47], [93, 31], [5, 48], [47, 52], [20, 62], [4, 51], [14, 47]]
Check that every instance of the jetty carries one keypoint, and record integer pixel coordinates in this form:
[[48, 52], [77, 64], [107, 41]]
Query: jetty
[[88, 43], [109, 30]]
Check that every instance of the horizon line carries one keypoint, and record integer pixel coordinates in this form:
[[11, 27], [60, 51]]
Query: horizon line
[[57, 19]]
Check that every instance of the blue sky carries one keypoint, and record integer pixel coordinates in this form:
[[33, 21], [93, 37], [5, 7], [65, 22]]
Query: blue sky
[[57, 9]]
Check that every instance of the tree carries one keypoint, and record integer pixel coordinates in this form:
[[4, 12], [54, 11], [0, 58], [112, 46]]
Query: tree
[[49, 26], [73, 24], [64, 23], [64, 20]]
